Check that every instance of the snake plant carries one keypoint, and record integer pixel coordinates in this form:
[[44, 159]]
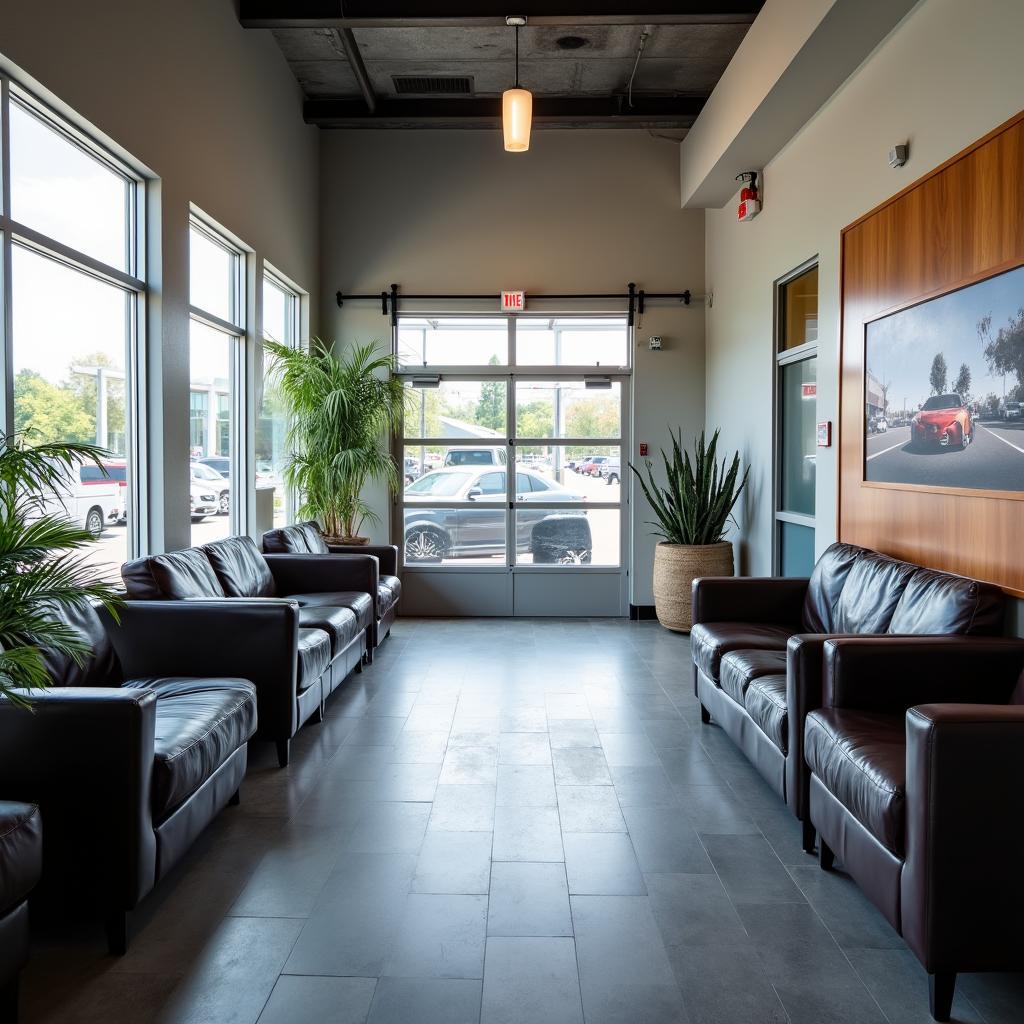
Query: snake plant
[[696, 504]]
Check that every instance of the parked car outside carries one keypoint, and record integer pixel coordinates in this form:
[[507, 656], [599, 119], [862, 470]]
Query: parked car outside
[[88, 497], [432, 534], [609, 471], [221, 463], [592, 467], [208, 478], [115, 470], [490, 456], [945, 421], [203, 501], [878, 425], [1012, 411]]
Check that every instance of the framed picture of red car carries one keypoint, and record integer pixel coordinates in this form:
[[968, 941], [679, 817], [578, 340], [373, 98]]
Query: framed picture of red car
[[944, 390]]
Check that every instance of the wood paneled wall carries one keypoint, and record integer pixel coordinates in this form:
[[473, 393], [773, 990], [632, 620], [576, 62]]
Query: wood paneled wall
[[959, 224]]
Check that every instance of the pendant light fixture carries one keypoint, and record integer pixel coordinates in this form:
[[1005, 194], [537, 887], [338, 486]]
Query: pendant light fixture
[[516, 105]]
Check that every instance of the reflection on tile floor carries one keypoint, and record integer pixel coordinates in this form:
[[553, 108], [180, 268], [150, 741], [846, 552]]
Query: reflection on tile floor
[[507, 822]]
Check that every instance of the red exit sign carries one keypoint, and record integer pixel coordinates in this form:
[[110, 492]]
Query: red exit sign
[[513, 302]]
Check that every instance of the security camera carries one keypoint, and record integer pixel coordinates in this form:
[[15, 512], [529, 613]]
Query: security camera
[[898, 156]]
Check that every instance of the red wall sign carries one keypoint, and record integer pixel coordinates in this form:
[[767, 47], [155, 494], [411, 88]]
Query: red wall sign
[[513, 302]]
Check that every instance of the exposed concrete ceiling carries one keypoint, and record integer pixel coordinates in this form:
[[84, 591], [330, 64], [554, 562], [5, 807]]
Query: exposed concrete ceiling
[[679, 62]]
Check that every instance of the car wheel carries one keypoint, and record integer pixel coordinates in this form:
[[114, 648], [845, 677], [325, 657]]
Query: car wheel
[[225, 503], [94, 521], [965, 438], [613, 478], [425, 545]]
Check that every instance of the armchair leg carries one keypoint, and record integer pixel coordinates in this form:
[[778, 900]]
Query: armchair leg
[[826, 857], [705, 715], [9, 1002], [236, 798], [940, 994], [319, 716], [359, 665], [283, 751], [809, 833], [117, 932]]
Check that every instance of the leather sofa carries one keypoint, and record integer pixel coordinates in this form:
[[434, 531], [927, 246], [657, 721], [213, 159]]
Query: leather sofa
[[130, 755], [386, 590], [21, 861], [295, 625], [757, 646], [914, 757]]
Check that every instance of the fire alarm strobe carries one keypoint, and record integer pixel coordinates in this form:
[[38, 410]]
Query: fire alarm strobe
[[750, 200]]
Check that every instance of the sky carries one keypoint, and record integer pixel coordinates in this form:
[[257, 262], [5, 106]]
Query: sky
[[474, 341], [901, 347]]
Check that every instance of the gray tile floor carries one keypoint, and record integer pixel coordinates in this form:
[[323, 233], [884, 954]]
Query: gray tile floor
[[504, 822]]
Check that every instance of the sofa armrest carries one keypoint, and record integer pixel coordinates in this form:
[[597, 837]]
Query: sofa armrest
[[804, 687], [307, 573], [892, 673], [961, 897], [85, 755], [386, 554], [748, 599], [247, 638]]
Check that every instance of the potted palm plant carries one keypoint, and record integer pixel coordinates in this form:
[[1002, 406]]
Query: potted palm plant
[[693, 511], [341, 411], [41, 565]]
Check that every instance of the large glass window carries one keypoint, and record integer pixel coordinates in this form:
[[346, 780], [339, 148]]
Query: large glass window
[[281, 322], [70, 240], [216, 333]]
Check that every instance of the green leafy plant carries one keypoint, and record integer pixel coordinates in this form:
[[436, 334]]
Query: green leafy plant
[[341, 412], [40, 563], [697, 503]]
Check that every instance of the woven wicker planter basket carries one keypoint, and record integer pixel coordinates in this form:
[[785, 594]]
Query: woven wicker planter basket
[[676, 566]]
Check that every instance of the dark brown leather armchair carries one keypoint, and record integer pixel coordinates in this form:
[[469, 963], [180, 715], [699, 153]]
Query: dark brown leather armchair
[[914, 757], [385, 587], [758, 644], [21, 861]]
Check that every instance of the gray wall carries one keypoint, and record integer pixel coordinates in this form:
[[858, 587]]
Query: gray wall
[[950, 72], [214, 113], [582, 211]]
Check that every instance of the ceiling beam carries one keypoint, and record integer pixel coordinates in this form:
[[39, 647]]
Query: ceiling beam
[[607, 112], [442, 13], [347, 42]]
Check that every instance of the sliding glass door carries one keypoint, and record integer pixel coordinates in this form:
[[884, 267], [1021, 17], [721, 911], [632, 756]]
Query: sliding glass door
[[512, 460]]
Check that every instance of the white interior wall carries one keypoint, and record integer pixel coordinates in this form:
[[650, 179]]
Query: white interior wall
[[582, 211], [949, 73], [213, 111]]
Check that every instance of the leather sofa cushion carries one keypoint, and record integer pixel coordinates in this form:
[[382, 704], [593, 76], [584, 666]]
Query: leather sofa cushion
[[338, 623], [766, 704], [872, 590], [359, 602], [178, 575], [301, 539], [98, 668], [861, 759], [388, 593], [315, 542], [826, 584], [21, 852], [200, 723], [314, 655], [938, 602], [711, 641], [739, 668], [240, 568]]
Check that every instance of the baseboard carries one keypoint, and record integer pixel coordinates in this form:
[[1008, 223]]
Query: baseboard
[[641, 612]]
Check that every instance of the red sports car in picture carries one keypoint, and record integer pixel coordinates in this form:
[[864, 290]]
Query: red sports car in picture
[[945, 421]]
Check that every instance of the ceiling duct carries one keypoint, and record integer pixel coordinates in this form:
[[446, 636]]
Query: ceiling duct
[[433, 85]]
